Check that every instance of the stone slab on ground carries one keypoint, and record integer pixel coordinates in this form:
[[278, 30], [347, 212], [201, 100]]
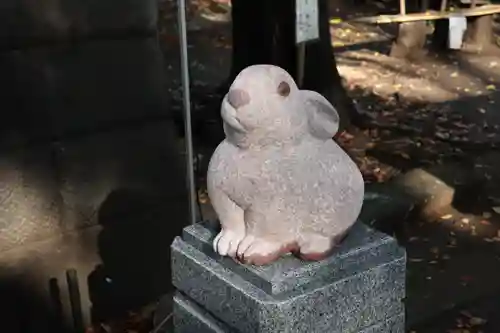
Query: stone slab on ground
[[386, 207], [365, 289], [430, 192]]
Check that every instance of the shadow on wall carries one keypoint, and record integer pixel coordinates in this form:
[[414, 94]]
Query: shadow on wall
[[75, 137], [140, 212], [82, 172], [134, 245]]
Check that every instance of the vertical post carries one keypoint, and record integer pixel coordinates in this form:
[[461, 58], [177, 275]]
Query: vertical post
[[56, 302], [306, 29], [181, 21], [402, 7], [75, 300], [425, 6], [444, 4], [301, 59]]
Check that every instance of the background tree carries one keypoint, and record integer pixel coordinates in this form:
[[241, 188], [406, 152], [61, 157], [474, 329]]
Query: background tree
[[264, 33]]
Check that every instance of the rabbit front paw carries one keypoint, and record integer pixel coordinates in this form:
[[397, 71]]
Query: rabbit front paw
[[227, 241]]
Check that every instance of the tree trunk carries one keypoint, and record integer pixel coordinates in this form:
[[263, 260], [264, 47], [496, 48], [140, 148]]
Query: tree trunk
[[264, 33]]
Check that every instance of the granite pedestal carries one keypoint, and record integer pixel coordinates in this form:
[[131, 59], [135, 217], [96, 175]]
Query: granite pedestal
[[360, 288]]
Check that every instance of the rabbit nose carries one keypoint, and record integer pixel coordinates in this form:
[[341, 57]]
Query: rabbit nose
[[238, 98]]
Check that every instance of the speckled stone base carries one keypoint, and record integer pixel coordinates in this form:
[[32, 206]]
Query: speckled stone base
[[190, 318], [360, 288]]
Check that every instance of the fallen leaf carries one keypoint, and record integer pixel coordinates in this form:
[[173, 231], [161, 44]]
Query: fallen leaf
[[496, 209], [490, 87], [446, 217]]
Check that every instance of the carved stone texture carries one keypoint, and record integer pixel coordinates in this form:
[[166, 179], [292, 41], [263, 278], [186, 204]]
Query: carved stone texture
[[278, 182], [359, 289]]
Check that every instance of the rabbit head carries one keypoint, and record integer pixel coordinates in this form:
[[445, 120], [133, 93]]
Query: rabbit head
[[264, 106]]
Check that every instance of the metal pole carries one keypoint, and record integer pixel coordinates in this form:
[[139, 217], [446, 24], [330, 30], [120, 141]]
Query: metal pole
[[301, 60], [181, 22]]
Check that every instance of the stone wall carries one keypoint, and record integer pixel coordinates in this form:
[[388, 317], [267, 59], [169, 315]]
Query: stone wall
[[37, 22], [90, 173]]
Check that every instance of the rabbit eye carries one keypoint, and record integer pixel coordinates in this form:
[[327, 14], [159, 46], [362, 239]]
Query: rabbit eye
[[284, 89]]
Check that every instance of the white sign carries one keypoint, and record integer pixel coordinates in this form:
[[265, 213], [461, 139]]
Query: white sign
[[458, 25], [307, 20]]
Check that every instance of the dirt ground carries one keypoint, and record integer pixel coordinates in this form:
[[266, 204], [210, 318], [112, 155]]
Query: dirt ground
[[438, 113]]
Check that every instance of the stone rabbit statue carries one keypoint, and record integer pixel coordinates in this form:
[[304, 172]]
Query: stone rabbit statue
[[278, 182]]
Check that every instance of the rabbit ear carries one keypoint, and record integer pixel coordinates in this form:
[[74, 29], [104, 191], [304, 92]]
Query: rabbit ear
[[322, 116]]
